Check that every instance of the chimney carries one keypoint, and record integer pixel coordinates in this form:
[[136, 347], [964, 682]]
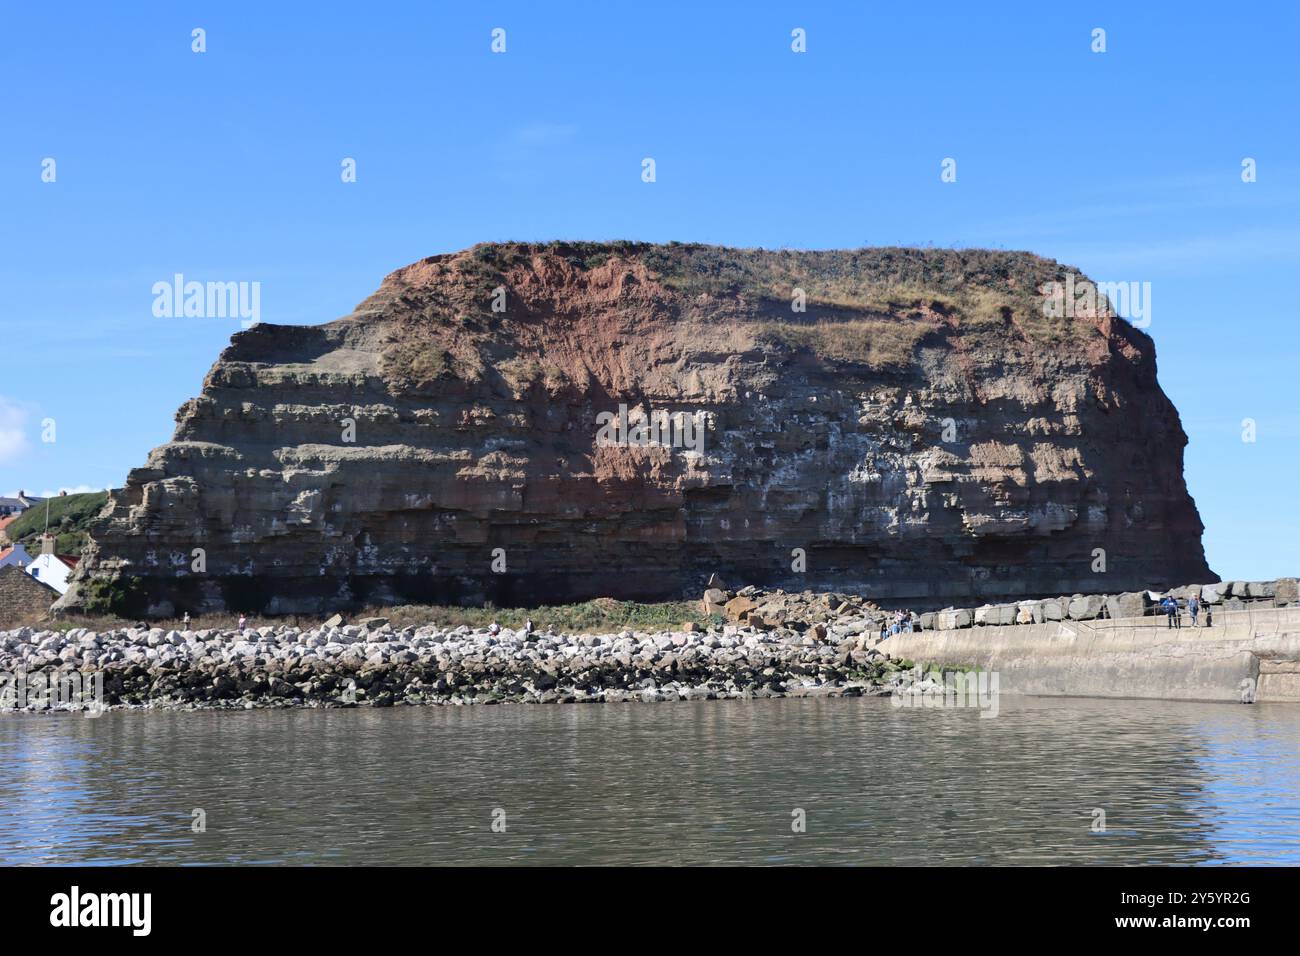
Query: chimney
[[47, 544]]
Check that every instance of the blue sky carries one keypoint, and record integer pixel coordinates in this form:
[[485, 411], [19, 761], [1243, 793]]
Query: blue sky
[[225, 165]]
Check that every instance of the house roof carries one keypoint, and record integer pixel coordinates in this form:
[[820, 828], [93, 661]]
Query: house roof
[[14, 569], [7, 520], [5, 552], [68, 559]]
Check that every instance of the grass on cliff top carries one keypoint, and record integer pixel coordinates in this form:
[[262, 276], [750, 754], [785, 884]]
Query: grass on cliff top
[[70, 517], [601, 616], [896, 291], [866, 278], [863, 341], [870, 306], [983, 288]]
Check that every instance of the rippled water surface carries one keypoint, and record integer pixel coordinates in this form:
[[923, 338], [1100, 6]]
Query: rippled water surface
[[705, 783]]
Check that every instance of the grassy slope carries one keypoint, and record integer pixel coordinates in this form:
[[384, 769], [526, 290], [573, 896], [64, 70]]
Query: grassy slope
[[869, 306], [601, 616], [70, 515]]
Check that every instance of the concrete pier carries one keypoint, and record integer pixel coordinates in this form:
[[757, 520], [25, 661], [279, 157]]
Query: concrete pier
[[1247, 654]]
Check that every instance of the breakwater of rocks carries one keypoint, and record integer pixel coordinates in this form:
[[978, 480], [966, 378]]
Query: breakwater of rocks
[[1228, 596], [372, 664], [756, 643]]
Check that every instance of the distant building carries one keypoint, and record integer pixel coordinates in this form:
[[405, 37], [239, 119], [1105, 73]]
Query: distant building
[[23, 599], [52, 569], [16, 556], [17, 505]]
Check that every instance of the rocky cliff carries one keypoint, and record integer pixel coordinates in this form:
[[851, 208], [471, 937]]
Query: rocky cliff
[[911, 424]]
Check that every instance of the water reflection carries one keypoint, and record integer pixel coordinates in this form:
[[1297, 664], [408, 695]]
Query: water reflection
[[702, 783]]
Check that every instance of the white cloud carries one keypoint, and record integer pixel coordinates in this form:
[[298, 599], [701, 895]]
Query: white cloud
[[545, 134], [13, 436], [70, 489]]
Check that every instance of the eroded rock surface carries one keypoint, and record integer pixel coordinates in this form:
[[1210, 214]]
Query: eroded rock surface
[[923, 432]]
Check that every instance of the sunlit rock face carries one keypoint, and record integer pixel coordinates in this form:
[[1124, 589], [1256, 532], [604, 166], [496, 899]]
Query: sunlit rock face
[[911, 424]]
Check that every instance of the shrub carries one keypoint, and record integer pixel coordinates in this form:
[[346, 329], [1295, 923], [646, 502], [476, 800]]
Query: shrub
[[120, 597]]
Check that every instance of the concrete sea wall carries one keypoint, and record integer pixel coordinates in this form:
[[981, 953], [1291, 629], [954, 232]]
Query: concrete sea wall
[[1228, 596], [1249, 654]]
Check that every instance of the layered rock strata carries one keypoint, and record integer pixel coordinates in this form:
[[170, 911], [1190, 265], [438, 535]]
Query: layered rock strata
[[912, 425]]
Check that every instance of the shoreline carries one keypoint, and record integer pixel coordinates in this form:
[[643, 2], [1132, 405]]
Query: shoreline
[[353, 666], [743, 644]]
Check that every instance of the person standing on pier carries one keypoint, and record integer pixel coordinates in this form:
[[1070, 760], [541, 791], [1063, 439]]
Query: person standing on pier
[[1193, 608]]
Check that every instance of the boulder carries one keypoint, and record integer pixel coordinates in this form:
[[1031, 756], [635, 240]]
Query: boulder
[[1085, 607], [1286, 592], [738, 607], [955, 618], [1052, 610], [1128, 604], [714, 601]]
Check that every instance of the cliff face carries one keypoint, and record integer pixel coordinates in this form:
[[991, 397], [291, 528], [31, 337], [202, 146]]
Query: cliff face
[[923, 432]]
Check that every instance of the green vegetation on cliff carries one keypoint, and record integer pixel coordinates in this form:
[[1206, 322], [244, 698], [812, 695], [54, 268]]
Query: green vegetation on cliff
[[69, 518], [869, 306], [120, 602]]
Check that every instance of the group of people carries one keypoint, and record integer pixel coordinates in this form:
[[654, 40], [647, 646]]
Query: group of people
[[1173, 608], [904, 622]]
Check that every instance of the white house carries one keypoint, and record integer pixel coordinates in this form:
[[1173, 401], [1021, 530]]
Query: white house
[[50, 568], [16, 555]]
